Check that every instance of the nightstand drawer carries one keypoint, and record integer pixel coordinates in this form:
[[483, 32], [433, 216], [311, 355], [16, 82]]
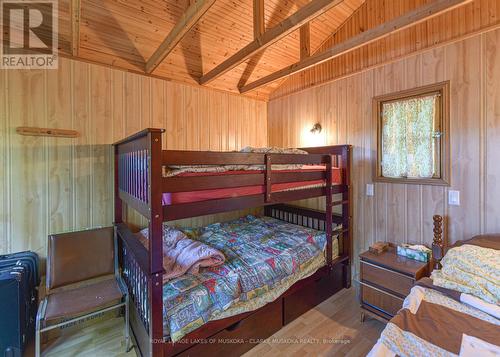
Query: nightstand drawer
[[380, 300], [396, 282]]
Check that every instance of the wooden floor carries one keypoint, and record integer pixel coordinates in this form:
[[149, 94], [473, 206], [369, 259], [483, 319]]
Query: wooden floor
[[333, 328], [103, 339]]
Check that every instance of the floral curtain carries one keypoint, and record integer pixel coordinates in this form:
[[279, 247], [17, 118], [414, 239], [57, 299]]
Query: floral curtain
[[408, 138]]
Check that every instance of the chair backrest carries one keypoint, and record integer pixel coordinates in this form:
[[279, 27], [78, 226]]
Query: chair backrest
[[78, 256]]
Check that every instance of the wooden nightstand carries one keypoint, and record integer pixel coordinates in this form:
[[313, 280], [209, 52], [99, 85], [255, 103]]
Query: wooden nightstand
[[385, 280]]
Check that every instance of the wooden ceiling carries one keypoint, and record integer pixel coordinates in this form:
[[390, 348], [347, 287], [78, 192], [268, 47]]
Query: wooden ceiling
[[125, 33]]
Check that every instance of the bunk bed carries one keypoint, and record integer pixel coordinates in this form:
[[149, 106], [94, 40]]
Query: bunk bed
[[142, 184]]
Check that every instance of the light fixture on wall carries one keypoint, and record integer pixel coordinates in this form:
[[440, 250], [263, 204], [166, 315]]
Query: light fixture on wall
[[316, 129]]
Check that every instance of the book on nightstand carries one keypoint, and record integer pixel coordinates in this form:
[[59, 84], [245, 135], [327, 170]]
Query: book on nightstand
[[378, 247]]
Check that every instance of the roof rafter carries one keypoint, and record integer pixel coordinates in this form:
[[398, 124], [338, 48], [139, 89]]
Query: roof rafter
[[409, 19], [284, 28], [259, 26], [305, 41], [194, 12]]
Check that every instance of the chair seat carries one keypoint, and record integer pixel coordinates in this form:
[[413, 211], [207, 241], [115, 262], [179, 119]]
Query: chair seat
[[81, 300]]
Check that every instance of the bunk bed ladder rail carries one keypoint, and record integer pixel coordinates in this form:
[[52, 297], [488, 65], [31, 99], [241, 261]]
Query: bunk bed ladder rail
[[339, 156], [345, 164], [329, 211]]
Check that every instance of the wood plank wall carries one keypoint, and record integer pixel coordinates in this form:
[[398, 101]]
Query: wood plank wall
[[475, 17], [399, 212], [50, 185]]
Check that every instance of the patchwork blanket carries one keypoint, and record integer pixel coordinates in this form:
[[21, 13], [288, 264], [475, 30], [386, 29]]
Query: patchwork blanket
[[263, 257]]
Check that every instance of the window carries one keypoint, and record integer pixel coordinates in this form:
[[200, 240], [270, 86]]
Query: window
[[413, 135]]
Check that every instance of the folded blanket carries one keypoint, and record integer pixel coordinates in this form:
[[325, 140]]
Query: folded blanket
[[491, 309], [473, 270], [182, 255], [274, 150]]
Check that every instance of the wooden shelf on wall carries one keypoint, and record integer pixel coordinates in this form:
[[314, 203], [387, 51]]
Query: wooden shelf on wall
[[57, 133]]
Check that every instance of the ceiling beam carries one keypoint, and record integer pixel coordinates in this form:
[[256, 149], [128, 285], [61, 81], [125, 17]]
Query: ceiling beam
[[305, 41], [409, 19], [75, 12], [194, 12], [259, 26], [284, 28]]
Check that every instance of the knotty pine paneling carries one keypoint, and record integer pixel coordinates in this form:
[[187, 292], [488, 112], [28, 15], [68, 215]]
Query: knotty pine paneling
[[454, 25], [50, 185], [399, 212]]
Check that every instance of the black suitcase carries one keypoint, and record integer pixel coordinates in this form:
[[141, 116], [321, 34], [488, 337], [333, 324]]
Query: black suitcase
[[19, 280], [31, 261], [28, 298], [28, 257]]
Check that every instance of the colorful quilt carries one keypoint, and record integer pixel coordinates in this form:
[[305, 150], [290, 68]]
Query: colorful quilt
[[261, 253]]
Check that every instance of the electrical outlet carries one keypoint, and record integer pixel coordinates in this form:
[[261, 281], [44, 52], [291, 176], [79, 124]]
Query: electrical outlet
[[454, 198], [369, 189]]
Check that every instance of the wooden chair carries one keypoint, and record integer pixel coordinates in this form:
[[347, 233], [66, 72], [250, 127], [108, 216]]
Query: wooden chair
[[82, 281]]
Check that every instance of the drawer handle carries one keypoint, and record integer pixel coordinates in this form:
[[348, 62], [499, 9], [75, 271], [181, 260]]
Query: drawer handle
[[234, 326], [388, 270], [381, 291]]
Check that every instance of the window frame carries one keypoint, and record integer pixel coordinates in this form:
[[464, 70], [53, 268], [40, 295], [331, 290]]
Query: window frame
[[443, 88]]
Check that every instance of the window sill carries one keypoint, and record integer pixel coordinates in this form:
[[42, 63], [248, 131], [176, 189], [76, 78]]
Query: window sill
[[409, 181]]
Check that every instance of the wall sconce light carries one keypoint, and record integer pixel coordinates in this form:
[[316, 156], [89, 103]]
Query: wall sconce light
[[316, 129]]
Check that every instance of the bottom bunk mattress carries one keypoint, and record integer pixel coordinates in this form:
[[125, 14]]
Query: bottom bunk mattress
[[264, 257]]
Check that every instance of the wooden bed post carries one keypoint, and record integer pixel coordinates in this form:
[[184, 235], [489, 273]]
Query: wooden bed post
[[267, 177], [346, 212], [155, 242], [438, 243], [329, 211]]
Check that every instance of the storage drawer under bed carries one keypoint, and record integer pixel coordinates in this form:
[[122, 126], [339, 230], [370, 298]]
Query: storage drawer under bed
[[243, 335], [311, 294]]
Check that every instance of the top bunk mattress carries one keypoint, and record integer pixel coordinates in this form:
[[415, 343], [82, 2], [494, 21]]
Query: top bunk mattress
[[203, 195]]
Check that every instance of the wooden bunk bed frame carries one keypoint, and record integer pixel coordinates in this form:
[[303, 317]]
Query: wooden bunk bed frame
[[140, 184]]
